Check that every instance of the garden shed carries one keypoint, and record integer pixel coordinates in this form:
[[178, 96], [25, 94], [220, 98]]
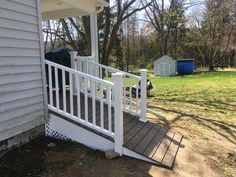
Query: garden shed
[[165, 66]]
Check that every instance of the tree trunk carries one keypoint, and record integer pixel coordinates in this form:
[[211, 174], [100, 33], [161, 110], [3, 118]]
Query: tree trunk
[[162, 29], [210, 65], [128, 56]]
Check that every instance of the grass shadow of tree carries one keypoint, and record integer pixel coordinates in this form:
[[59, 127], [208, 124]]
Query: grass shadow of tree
[[219, 105], [222, 128]]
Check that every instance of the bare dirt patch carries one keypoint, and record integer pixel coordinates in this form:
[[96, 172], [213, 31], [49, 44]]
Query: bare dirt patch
[[74, 160], [211, 134]]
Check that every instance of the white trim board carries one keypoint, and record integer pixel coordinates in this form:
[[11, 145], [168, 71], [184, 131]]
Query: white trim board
[[79, 134]]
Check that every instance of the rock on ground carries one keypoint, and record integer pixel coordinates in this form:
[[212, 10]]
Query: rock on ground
[[111, 155]]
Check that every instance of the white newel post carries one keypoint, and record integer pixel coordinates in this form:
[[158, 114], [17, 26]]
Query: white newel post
[[118, 106], [143, 95], [73, 55]]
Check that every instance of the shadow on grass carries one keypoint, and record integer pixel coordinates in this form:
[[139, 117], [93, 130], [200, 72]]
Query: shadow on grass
[[216, 73], [219, 105], [222, 128]]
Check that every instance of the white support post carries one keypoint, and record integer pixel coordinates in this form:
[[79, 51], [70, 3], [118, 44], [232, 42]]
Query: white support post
[[143, 95], [96, 43], [118, 106], [94, 40], [73, 55], [93, 36]]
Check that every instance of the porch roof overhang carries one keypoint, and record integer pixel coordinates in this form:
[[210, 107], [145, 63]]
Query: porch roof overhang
[[55, 9]]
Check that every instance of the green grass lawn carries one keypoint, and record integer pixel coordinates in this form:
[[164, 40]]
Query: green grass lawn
[[203, 108], [217, 90]]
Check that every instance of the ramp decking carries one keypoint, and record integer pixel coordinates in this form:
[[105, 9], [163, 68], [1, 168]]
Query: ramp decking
[[155, 142]]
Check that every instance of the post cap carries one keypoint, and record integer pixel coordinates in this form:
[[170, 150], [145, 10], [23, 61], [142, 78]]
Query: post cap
[[73, 53], [143, 70], [117, 74]]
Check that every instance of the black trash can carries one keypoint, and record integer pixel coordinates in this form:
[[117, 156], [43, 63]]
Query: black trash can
[[60, 56]]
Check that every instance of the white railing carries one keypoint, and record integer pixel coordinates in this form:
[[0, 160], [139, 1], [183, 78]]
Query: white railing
[[70, 96], [134, 87]]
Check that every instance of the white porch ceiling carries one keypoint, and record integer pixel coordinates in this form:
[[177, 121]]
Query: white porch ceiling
[[55, 9]]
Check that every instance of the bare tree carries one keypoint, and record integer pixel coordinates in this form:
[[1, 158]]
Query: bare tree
[[109, 21], [168, 21], [216, 31], [51, 29], [114, 16], [129, 29]]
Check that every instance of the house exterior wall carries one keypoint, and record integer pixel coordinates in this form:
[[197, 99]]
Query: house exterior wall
[[21, 80]]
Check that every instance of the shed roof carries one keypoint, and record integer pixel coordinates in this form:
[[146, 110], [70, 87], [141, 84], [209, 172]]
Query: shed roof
[[187, 59], [163, 58]]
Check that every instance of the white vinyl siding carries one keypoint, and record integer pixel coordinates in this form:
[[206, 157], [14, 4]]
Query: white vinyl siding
[[17, 34], [21, 84], [28, 3], [19, 43], [17, 16], [18, 25], [18, 6]]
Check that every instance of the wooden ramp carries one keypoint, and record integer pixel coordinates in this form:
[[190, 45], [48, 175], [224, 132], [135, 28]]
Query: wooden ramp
[[155, 142], [147, 141]]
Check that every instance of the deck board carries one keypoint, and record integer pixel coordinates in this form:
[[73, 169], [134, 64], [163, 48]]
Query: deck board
[[172, 151], [141, 147], [130, 125], [139, 136], [155, 142], [162, 149], [150, 140], [133, 131]]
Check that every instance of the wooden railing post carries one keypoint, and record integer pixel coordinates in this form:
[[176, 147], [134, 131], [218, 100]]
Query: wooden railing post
[[143, 95], [118, 112], [73, 55]]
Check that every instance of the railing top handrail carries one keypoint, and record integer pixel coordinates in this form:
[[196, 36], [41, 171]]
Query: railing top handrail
[[106, 67], [108, 83], [84, 57]]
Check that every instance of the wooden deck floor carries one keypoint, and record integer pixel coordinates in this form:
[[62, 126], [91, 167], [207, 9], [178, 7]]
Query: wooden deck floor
[[150, 140]]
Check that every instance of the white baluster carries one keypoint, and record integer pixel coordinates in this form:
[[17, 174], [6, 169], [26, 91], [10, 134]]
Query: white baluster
[[71, 94], [106, 74], [77, 81], [101, 107], [109, 107], [137, 93], [56, 87], [124, 86], [86, 98], [93, 87], [100, 72], [130, 94], [50, 84], [64, 91]]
